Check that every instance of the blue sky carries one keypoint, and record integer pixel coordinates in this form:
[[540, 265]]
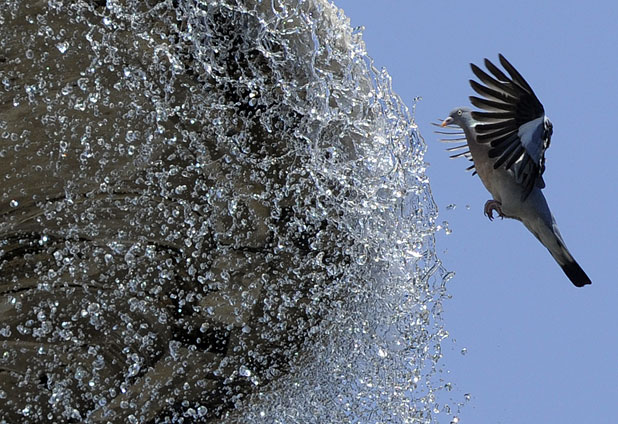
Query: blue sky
[[539, 350]]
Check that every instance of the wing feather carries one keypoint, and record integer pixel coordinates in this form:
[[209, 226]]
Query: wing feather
[[512, 120]]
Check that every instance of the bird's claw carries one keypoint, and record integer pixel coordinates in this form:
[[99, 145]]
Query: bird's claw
[[491, 206]]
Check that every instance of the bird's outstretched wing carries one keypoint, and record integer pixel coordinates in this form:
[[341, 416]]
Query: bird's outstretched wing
[[452, 134], [513, 121]]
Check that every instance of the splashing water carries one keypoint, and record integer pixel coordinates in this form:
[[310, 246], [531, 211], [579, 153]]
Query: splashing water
[[213, 211]]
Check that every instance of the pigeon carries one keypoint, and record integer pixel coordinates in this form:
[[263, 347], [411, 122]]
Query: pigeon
[[506, 140]]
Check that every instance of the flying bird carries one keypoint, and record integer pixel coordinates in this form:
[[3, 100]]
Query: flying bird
[[506, 141]]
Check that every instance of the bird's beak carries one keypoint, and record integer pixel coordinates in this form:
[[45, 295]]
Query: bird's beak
[[447, 121]]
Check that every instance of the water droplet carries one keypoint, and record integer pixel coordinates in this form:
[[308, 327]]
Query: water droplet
[[62, 47], [133, 370], [244, 371], [94, 308], [14, 203]]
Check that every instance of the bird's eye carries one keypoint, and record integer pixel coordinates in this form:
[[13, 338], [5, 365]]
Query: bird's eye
[[459, 112]]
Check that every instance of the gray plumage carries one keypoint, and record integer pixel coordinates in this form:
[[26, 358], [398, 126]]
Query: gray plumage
[[507, 140]]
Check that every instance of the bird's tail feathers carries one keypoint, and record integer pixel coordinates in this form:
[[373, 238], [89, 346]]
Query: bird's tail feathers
[[566, 261], [550, 237], [576, 274]]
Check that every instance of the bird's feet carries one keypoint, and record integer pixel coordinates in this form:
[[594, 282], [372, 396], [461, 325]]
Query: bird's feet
[[491, 206]]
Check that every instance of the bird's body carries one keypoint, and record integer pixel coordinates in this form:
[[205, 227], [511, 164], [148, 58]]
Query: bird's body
[[500, 182], [507, 143]]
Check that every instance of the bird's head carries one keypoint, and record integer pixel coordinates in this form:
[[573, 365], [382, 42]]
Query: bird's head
[[461, 116]]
